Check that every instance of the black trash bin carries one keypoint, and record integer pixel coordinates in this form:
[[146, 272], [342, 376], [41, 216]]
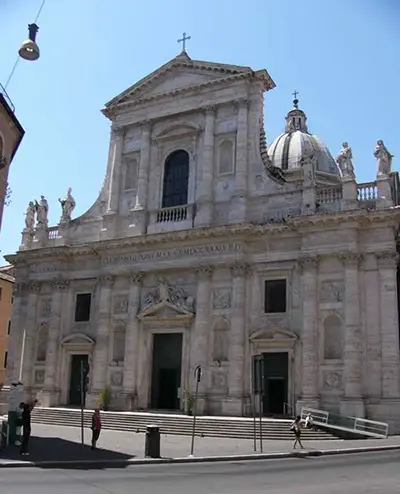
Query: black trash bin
[[152, 446]]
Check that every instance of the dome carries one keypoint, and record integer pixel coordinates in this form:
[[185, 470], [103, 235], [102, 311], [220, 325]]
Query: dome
[[287, 149]]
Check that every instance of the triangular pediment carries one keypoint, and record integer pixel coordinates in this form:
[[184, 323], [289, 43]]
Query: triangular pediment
[[272, 334], [164, 310], [179, 74]]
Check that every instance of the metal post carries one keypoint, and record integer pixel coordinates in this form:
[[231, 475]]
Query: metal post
[[254, 420], [197, 374], [260, 411], [82, 405]]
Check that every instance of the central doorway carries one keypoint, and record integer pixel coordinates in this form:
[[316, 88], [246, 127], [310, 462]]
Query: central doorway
[[75, 378], [166, 371], [276, 374]]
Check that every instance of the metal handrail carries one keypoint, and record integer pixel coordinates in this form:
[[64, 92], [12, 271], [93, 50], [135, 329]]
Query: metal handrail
[[286, 408], [3, 92]]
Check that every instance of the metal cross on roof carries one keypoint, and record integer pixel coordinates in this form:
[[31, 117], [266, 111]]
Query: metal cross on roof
[[183, 41], [295, 93]]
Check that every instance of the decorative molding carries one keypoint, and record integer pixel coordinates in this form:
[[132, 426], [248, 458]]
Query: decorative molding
[[308, 261], [239, 269], [34, 286], [350, 258], [60, 285], [209, 109], [117, 132], [137, 277], [331, 291], [106, 280], [332, 380], [222, 298], [241, 102], [204, 271], [387, 258], [120, 304]]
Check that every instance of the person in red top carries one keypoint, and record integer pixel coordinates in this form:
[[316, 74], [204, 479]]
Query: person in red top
[[96, 427]]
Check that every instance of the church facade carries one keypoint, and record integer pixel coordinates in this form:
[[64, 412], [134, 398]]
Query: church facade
[[208, 247]]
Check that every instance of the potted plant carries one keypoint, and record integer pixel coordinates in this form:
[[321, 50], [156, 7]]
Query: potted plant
[[105, 398], [188, 402]]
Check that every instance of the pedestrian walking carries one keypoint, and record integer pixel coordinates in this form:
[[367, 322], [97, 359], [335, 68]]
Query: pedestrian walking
[[26, 425], [296, 429], [96, 427]]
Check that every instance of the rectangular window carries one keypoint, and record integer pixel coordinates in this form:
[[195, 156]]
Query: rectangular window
[[5, 359], [82, 307], [275, 296], [9, 327]]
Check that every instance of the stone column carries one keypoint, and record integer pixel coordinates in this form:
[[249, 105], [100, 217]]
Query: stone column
[[234, 405], [117, 143], [131, 341], [204, 214], [238, 207], [352, 404], [50, 391], [101, 351], [310, 398], [387, 264], [30, 328], [199, 342]]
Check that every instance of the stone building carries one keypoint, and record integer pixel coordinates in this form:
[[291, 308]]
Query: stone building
[[206, 247]]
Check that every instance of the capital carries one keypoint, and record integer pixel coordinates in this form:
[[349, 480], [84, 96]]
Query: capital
[[146, 125], [60, 285], [209, 109], [387, 258], [106, 280], [18, 288], [239, 269], [117, 132], [204, 271], [308, 261], [350, 258], [137, 277], [241, 102], [34, 286]]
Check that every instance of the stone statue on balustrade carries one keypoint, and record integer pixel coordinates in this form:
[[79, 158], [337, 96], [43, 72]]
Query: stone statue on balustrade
[[42, 212], [30, 217], [344, 160], [67, 206], [383, 158]]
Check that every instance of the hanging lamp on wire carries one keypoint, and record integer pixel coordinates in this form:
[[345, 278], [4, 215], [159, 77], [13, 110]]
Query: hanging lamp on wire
[[29, 49]]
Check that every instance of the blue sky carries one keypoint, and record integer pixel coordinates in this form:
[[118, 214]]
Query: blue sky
[[341, 55]]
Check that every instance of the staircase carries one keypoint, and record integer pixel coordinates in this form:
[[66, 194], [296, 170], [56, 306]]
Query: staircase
[[227, 427]]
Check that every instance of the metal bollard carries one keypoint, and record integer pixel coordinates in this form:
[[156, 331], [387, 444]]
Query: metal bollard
[[152, 445]]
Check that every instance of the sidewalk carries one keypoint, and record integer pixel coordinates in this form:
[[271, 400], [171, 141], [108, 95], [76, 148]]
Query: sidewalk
[[62, 444]]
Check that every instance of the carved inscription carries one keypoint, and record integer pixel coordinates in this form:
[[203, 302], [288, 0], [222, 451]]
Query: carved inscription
[[331, 291], [222, 298], [174, 253]]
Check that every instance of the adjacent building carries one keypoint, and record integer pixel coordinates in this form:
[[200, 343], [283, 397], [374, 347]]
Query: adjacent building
[[6, 300], [207, 247], [11, 134]]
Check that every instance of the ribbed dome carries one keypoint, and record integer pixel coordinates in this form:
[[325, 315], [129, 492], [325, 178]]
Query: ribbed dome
[[287, 150]]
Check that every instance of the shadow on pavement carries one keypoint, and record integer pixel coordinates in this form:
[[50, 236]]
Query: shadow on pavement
[[56, 451]]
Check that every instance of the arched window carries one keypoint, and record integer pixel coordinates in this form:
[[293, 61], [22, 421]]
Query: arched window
[[221, 341], [130, 174], [42, 343], [226, 158], [119, 344], [176, 179], [333, 338]]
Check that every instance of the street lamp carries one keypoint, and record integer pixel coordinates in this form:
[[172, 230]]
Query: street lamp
[[29, 49]]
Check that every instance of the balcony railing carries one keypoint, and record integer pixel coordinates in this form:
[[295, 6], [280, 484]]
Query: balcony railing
[[3, 92], [329, 195], [367, 192], [174, 214], [53, 232]]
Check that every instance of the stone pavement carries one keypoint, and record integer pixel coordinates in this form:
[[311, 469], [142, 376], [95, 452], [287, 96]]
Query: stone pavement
[[55, 443]]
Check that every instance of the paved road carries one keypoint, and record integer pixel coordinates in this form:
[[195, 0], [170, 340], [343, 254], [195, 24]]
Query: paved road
[[364, 473]]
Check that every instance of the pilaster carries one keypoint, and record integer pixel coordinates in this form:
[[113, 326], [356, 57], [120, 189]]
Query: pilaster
[[239, 271], [50, 391], [100, 357], [204, 214], [131, 341], [30, 333], [387, 265], [238, 206], [353, 404], [199, 342], [117, 142], [310, 395]]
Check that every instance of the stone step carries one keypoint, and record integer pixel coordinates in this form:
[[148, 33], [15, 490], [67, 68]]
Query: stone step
[[229, 427]]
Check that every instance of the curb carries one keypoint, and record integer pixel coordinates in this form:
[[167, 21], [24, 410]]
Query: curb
[[195, 459]]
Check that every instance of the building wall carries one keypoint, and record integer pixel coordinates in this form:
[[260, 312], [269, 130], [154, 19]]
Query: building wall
[[6, 299]]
